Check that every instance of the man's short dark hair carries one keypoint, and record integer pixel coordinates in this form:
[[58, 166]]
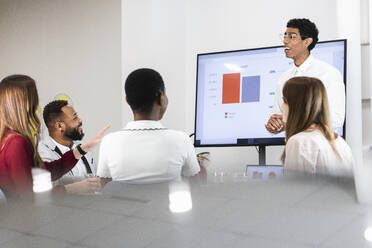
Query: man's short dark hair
[[306, 28], [52, 111], [142, 88]]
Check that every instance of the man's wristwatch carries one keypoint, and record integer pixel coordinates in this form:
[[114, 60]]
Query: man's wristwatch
[[81, 151]]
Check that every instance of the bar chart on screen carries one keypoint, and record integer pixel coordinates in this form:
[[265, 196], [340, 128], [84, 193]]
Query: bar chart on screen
[[240, 89]]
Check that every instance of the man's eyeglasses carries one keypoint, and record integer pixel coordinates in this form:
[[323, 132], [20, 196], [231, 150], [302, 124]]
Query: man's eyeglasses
[[291, 36]]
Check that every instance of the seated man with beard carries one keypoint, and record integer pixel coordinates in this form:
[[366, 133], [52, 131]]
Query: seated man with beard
[[65, 133]]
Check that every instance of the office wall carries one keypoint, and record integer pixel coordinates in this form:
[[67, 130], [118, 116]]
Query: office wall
[[70, 47], [168, 34], [74, 47]]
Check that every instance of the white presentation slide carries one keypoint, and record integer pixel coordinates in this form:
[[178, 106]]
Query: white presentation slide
[[236, 91]]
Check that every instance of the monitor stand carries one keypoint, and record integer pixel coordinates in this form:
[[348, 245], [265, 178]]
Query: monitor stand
[[262, 155], [262, 170]]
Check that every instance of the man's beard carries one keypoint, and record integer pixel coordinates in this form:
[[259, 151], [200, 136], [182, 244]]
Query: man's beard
[[73, 133]]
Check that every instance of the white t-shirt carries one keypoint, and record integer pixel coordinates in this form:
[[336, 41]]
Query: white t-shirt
[[332, 81], [311, 152], [146, 152]]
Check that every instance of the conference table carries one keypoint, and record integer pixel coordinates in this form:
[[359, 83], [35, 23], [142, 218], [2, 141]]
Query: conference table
[[220, 210]]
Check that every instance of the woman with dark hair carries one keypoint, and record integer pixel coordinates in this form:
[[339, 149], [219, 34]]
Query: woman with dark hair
[[311, 145], [19, 136]]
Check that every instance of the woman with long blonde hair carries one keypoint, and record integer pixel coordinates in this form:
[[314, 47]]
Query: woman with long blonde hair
[[311, 144], [19, 136]]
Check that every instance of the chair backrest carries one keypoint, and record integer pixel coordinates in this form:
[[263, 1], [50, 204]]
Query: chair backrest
[[2, 198]]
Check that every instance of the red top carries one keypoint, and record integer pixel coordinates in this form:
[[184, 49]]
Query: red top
[[16, 162]]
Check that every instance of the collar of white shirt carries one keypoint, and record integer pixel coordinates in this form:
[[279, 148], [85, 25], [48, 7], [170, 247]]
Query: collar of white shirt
[[62, 148], [304, 66], [144, 125]]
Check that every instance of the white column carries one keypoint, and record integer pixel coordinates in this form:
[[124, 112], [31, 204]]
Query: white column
[[349, 28]]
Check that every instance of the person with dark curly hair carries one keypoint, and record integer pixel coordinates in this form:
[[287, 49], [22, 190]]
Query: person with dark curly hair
[[65, 133], [299, 39], [145, 151]]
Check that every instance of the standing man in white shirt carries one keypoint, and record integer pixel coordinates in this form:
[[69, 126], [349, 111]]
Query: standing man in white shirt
[[65, 133], [145, 151], [299, 39]]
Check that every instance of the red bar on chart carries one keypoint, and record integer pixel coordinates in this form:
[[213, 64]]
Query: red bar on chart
[[231, 88]]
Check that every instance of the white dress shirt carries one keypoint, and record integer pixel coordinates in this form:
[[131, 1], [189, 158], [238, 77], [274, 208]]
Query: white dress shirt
[[48, 153], [310, 151], [332, 81], [146, 152]]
